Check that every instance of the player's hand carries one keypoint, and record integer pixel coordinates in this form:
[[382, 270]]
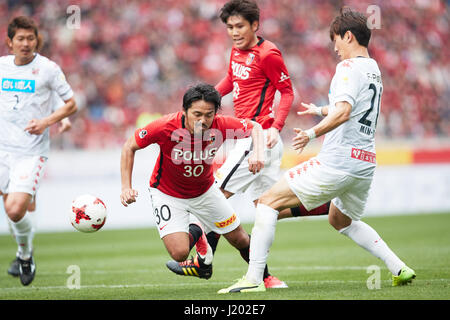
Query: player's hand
[[311, 109], [273, 135], [36, 126], [128, 196], [64, 125], [300, 140], [255, 163]]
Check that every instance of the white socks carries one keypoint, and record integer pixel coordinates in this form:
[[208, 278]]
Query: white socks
[[263, 233], [366, 237], [23, 233]]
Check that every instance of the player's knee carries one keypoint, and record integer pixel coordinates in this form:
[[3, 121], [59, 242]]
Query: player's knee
[[333, 221], [179, 254], [15, 211], [267, 199], [339, 222]]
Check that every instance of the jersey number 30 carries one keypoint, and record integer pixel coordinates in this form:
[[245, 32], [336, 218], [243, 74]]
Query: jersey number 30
[[193, 171]]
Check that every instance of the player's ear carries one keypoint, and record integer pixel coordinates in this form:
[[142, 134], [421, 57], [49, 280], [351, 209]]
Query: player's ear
[[8, 43], [348, 36], [255, 26]]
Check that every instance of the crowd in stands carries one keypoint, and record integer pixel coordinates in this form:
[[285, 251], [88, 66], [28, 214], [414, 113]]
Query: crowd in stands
[[129, 58]]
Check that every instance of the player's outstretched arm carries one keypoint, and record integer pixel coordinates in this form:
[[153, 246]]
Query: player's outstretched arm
[[128, 194], [256, 159], [312, 109], [334, 119], [38, 126]]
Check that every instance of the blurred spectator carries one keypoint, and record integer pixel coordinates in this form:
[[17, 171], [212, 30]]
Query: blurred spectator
[[130, 58]]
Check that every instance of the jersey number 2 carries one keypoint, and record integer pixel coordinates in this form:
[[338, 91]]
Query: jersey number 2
[[364, 119]]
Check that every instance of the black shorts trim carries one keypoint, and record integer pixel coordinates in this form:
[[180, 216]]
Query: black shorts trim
[[228, 177]]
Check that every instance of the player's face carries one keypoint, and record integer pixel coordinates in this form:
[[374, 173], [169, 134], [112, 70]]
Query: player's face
[[23, 44], [200, 116], [242, 32], [341, 46]]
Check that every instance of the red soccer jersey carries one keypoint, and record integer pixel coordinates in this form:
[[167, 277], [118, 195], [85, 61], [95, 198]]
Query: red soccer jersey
[[184, 166], [254, 76]]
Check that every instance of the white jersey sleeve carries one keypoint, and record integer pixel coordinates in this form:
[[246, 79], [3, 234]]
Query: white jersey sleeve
[[347, 83], [58, 83], [351, 146]]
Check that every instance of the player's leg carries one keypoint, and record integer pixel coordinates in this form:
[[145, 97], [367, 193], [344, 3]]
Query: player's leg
[[16, 204], [25, 173], [279, 197], [233, 176], [13, 269], [345, 214], [309, 184], [178, 233], [177, 245], [301, 211]]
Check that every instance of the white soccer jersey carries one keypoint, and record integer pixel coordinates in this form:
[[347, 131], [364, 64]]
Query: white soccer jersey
[[26, 93], [351, 146]]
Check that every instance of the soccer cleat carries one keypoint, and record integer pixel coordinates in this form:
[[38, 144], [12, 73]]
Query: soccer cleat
[[201, 246], [14, 268], [27, 270], [272, 282], [405, 276], [192, 267], [244, 286]]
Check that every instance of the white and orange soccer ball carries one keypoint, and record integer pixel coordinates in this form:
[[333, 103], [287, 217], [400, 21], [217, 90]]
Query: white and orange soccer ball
[[88, 213]]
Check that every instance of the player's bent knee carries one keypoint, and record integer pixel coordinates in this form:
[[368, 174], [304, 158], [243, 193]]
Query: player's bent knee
[[178, 254], [267, 199], [338, 221], [333, 222], [15, 211]]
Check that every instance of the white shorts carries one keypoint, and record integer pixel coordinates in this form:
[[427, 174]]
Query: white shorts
[[235, 177], [315, 184], [211, 208], [20, 173]]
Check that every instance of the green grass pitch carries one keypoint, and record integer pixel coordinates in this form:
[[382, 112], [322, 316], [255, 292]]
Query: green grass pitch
[[315, 261]]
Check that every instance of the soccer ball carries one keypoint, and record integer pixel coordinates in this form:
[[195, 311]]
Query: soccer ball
[[88, 213]]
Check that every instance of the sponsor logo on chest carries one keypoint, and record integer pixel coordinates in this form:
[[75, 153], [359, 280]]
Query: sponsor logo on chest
[[240, 71], [193, 155], [19, 85]]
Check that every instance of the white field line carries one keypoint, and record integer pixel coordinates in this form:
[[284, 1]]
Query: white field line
[[200, 283], [232, 269]]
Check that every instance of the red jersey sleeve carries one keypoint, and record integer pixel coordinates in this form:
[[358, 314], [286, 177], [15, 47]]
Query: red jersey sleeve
[[276, 71], [151, 133], [234, 128], [225, 86]]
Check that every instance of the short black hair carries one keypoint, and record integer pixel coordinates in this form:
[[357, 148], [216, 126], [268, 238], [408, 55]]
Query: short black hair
[[352, 21], [23, 22], [202, 91], [248, 9]]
